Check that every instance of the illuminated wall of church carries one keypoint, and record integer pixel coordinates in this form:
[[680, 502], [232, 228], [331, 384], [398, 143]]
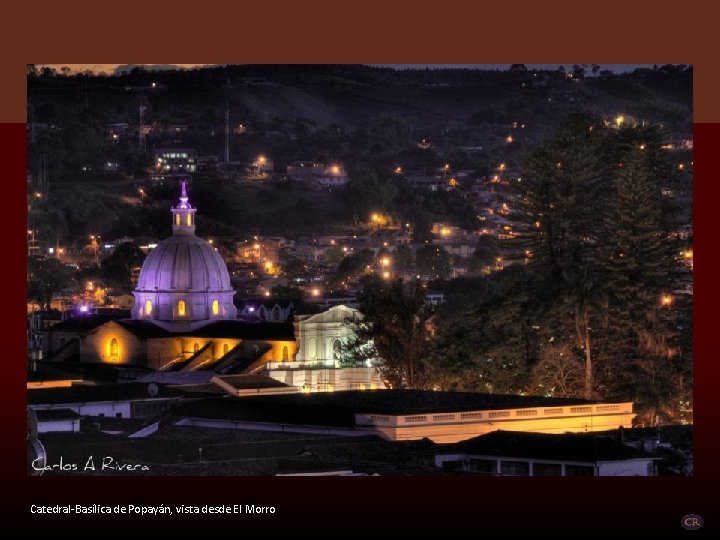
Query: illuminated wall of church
[[280, 351], [112, 344]]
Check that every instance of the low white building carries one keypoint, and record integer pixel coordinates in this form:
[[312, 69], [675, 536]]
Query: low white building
[[55, 420], [317, 366], [504, 453], [321, 337]]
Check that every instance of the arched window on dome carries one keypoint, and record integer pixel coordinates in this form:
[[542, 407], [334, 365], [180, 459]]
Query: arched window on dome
[[114, 347], [215, 308], [148, 308], [181, 308], [177, 219], [188, 219]]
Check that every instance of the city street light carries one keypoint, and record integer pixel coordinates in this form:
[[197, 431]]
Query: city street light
[[95, 246]]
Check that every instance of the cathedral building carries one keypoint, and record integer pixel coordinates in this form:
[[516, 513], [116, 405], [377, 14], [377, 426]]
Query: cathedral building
[[183, 319]]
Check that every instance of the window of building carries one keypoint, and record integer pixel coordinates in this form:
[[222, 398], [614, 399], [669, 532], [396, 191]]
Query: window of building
[[579, 470], [285, 354], [481, 466], [188, 219], [226, 348], [177, 219], [515, 468], [148, 308], [181, 308], [113, 347], [337, 349], [215, 308], [547, 469], [196, 347]]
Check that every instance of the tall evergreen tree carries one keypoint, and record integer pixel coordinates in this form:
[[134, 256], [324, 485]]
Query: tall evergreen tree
[[560, 201], [639, 274], [393, 329]]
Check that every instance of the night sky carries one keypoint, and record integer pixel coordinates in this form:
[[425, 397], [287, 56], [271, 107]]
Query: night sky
[[618, 68]]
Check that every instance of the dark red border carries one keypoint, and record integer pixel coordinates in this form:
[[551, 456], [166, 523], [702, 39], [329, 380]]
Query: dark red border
[[379, 503]]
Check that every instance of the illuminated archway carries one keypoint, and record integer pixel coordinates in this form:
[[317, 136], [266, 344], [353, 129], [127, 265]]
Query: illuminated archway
[[215, 308], [181, 308], [114, 348]]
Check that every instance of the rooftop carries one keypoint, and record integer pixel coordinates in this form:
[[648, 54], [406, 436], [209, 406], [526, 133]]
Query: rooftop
[[84, 393], [339, 408], [240, 329], [566, 447]]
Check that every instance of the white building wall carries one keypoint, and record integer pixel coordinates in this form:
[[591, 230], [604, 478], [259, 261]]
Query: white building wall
[[70, 425], [330, 379], [99, 408], [635, 467]]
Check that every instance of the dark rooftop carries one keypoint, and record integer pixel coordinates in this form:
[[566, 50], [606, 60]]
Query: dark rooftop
[[566, 447], [88, 371], [175, 450], [81, 324], [241, 329], [239, 382], [418, 401], [339, 408], [84, 393], [248, 330], [56, 414]]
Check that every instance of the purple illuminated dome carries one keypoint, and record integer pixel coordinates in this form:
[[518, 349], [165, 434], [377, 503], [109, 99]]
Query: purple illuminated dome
[[184, 282]]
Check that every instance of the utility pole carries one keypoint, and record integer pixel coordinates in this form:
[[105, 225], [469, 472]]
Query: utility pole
[[227, 133], [141, 130]]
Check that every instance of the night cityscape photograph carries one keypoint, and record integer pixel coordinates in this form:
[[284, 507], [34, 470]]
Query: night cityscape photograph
[[359, 270]]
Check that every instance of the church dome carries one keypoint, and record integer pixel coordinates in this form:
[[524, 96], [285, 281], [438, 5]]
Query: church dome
[[186, 263], [183, 281]]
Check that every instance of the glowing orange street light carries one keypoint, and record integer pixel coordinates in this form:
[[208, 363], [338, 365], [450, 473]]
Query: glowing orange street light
[[666, 300]]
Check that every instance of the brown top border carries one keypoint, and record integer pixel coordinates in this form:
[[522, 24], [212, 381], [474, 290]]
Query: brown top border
[[319, 31]]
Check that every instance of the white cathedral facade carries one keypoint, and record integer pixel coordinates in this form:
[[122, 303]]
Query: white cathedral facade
[[320, 340]]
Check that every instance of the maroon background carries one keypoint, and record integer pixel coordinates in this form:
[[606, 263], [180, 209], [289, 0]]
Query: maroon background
[[342, 504]]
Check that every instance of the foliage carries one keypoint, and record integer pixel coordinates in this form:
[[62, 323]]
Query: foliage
[[394, 317], [45, 278], [433, 261], [117, 267]]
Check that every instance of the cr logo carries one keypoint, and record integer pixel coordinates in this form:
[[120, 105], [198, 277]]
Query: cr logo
[[691, 522]]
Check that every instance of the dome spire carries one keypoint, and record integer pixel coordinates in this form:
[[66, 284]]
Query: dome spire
[[183, 213], [183, 195]]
